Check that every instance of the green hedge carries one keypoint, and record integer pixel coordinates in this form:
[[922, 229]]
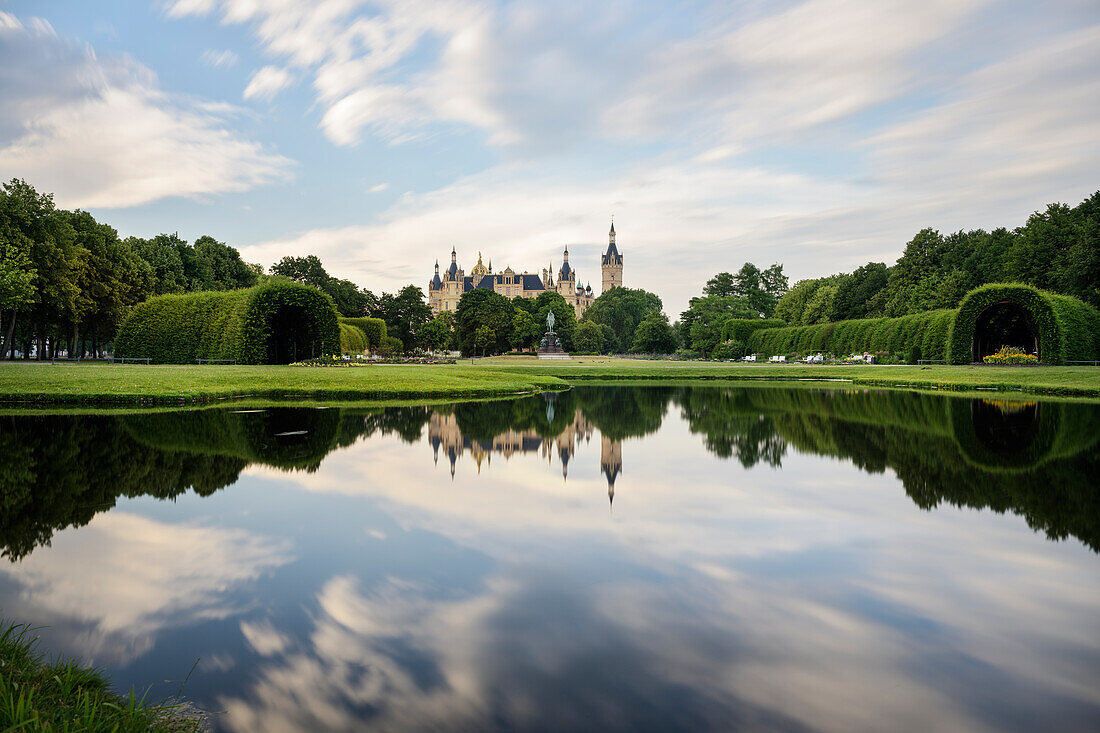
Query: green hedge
[[245, 325], [1068, 329], [926, 332], [373, 328], [739, 329], [393, 344], [352, 339]]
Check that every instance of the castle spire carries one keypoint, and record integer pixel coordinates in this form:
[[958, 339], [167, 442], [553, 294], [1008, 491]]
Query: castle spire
[[453, 254]]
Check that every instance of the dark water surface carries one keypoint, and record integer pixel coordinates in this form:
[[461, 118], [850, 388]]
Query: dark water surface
[[612, 558]]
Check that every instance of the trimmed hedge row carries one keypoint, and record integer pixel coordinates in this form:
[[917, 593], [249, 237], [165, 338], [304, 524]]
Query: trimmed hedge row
[[374, 329], [1068, 329], [739, 329], [352, 339], [234, 324], [923, 335]]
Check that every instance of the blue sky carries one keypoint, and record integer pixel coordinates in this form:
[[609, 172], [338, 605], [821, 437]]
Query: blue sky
[[820, 134]]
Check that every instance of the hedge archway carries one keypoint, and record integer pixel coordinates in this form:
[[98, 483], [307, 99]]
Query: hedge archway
[[274, 323], [1056, 327]]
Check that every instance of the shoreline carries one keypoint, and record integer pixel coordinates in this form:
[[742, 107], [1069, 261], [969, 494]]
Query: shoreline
[[43, 385]]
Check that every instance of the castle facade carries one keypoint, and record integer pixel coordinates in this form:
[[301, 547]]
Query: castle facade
[[445, 291]]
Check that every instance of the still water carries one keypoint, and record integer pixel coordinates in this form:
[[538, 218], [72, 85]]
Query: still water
[[611, 558]]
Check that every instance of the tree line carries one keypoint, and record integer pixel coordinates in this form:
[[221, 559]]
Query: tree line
[[1058, 249], [67, 280]]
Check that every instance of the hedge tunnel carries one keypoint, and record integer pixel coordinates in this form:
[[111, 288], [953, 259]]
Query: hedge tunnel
[[1057, 328], [274, 323]]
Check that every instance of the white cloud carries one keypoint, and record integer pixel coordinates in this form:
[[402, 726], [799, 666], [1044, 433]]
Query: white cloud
[[379, 188], [267, 82], [539, 74], [219, 59], [101, 133]]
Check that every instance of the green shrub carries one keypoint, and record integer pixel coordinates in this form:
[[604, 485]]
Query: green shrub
[[728, 350], [392, 345], [739, 329], [374, 329], [1067, 329], [352, 339], [276, 322]]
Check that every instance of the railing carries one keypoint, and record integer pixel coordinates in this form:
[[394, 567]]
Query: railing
[[124, 359], [1089, 363], [931, 361], [215, 361]]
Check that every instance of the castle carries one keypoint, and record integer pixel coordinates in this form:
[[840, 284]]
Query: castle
[[445, 292]]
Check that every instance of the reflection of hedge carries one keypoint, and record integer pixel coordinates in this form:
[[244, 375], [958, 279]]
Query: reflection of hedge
[[288, 438], [739, 329], [373, 328], [925, 331], [235, 324], [352, 339], [1068, 329]]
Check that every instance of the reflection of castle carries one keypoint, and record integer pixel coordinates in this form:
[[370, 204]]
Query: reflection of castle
[[446, 437]]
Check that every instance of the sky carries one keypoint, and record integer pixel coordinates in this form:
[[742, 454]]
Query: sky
[[378, 135]]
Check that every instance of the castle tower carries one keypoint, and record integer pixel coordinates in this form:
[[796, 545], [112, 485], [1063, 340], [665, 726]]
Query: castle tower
[[567, 278], [611, 263], [611, 463]]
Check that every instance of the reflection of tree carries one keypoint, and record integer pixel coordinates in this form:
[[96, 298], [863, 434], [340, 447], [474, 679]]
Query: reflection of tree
[[60, 471], [732, 425], [624, 412]]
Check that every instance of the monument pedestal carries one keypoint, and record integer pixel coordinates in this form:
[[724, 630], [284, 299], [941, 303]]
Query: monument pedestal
[[550, 348]]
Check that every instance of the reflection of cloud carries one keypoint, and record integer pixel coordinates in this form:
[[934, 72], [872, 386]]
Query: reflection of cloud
[[715, 597], [754, 651], [123, 578]]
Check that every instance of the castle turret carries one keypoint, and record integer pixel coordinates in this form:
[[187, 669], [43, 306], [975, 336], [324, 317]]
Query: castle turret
[[611, 264]]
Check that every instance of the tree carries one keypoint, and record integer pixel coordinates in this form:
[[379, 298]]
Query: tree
[[438, 333], [622, 309], [721, 284], [588, 337], [525, 330], [485, 338], [404, 313], [856, 293], [819, 306], [17, 291], [654, 335], [308, 270], [227, 270], [483, 307], [30, 217], [162, 253]]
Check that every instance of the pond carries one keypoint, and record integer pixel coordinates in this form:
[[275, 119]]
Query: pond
[[610, 558]]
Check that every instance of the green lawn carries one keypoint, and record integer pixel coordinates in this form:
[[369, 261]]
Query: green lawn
[[139, 384], [132, 384]]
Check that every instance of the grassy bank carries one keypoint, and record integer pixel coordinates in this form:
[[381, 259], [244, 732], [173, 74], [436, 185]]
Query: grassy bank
[[101, 384], [171, 384], [37, 694], [1083, 381]]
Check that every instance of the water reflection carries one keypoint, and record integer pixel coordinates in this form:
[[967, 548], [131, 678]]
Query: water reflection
[[455, 567]]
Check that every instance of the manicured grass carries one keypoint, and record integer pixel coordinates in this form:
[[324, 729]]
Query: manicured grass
[[170, 384], [37, 694], [101, 384]]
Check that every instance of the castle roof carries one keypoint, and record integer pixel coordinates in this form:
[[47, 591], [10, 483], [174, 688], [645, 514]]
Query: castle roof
[[611, 256], [436, 282]]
